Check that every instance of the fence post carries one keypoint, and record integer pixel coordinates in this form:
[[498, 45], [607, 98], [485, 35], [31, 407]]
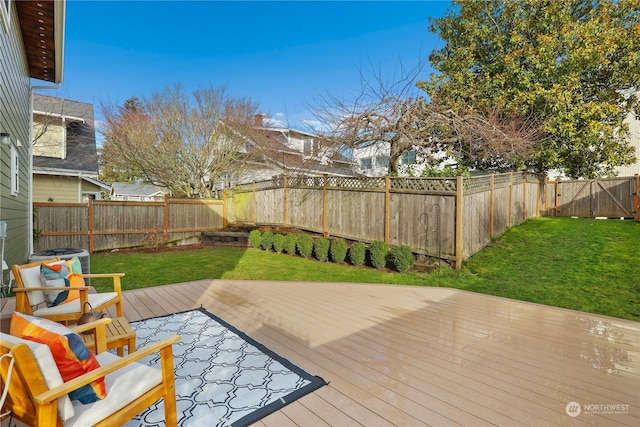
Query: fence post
[[90, 224], [325, 221], [510, 199], [459, 225], [491, 207], [556, 196], [524, 196], [387, 209], [224, 208], [636, 199], [285, 201], [165, 226], [255, 204]]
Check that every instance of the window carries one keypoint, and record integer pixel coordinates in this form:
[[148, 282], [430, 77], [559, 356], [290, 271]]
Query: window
[[382, 161], [366, 163], [408, 158], [5, 14], [310, 147], [15, 171]]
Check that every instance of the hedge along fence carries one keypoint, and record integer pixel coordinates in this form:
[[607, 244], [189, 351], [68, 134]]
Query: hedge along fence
[[449, 218], [104, 225]]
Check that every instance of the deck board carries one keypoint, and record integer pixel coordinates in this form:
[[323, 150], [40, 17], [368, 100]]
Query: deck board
[[412, 356]]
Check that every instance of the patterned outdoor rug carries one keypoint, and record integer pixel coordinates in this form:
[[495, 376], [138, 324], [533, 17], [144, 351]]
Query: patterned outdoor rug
[[223, 377]]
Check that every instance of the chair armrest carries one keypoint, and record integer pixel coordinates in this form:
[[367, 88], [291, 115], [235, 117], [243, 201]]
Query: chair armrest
[[117, 286], [59, 391], [101, 275], [99, 330]]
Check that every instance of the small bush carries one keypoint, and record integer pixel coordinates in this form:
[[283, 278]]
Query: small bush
[[304, 245], [357, 253], [403, 258], [290, 243], [378, 252], [267, 240], [255, 239], [278, 243], [321, 249], [338, 250]]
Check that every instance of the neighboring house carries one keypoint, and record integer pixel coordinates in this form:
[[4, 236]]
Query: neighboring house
[[65, 157], [137, 192], [633, 120], [373, 159], [286, 151], [31, 47]]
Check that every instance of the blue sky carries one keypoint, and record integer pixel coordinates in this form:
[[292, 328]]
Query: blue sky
[[282, 55]]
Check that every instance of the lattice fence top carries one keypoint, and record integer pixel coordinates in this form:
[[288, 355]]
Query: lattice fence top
[[424, 184], [410, 184]]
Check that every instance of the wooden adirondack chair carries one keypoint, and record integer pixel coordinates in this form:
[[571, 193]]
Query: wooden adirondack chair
[[131, 386], [30, 296]]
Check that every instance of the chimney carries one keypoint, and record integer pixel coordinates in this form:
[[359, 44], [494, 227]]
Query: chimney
[[257, 120]]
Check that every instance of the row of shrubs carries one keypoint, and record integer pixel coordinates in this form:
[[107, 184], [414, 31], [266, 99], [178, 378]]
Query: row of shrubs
[[335, 250]]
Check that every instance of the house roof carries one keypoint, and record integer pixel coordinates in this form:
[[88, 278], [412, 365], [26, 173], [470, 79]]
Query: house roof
[[42, 24], [81, 152], [136, 189], [273, 144]]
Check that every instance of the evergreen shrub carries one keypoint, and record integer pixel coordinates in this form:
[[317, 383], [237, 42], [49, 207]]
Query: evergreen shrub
[[403, 258], [255, 239], [357, 253], [304, 245], [321, 249], [278, 242], [290, 243], [338, 249], [267, 240], [379, 251]]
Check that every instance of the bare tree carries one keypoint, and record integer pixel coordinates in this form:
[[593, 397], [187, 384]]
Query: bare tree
[[184, 143], [383, 111], [392, 111]]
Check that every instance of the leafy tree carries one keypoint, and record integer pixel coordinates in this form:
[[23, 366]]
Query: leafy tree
[[564, 69], [181, 142]]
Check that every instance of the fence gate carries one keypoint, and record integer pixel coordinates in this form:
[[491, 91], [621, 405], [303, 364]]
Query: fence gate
[[611, 197]]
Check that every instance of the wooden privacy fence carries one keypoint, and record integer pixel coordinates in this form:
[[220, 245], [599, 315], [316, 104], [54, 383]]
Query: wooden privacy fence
[[607, 197], [103, 225], [448, 218]]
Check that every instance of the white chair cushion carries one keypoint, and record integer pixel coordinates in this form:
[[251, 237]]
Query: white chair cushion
[[31, 279], [48, 369], [123, 387], [74, 306]]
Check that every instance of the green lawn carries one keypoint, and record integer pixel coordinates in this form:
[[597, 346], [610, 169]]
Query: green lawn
[[583, 264]]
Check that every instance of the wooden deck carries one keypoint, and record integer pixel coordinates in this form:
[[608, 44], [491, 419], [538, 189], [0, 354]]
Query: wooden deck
[[413, 356]]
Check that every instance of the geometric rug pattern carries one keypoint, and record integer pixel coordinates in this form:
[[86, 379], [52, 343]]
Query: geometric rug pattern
[[223, 377]]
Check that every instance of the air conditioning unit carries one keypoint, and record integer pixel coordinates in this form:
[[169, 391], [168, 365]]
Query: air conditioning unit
[[65, 254]]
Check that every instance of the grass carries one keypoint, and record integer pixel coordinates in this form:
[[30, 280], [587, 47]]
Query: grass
[[582, 264]]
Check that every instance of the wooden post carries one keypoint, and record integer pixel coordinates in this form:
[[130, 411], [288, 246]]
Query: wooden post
[[491, 207], [325, 220], [166, 218], [524, 196], [459, 225], [636, 199], [224, 208], [255, 204], [387, 209], [544, 193], [90, 224], [556, 196], [510, 199], [285, 213]]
